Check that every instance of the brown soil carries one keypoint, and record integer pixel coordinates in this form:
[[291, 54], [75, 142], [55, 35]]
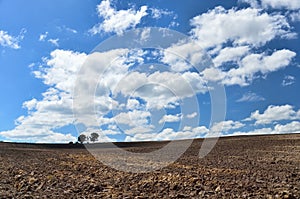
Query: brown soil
[[238, 167]]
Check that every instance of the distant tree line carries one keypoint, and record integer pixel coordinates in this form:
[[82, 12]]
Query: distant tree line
[[83, 138]]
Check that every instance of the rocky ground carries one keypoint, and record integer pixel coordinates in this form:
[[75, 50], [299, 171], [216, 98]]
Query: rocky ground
[[238, 167]]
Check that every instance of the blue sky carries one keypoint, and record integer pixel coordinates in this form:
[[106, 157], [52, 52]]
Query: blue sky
[[48, 47]]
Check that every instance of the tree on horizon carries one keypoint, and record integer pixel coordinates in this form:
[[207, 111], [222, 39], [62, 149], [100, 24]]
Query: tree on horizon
[[94, 137], [82, 138]]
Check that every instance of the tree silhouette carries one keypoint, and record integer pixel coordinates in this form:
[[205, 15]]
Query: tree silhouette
[[94, 137], [82, 138]]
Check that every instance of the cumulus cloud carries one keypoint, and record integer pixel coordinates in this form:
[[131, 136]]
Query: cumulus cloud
[[243, 31], [96, 84], [262, 131], [160, 89], [7, 40], [250, 66], [226, 126], [288, 80], [139, 130], [291, 127], [275, 113], [258, 63], [251, 97], [192, 115], [213, 74], [37, 136], [60, 69], [279, 4], [247, 26], [54, 110], [295, 16], [265, 63], [117, 21], [145, 34], [275, 4], [170, 118], [132, 104], [133, 118], [229, 54], [170, 134], [184, 55]]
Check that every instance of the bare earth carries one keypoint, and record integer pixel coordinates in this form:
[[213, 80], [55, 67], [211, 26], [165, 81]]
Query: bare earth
[[238, 167]]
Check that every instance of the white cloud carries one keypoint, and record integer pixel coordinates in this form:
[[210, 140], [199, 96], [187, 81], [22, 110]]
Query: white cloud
[[145, 34], [170, 118], [133, 118], [173, 24], [192, 115], [279, 4], [250, 97], [213, 74], [71, 30], [7, 40], [230, 54], [158, 13], [249, 66], [184, 55], [54, 41], [226, 126], [187, 128], [140, 137], [196, 82], [132, 104], [30, 105], [247, 26], [61, 69], [54, 110], [160, 89], [295, 16], [258, 63], [275, 4], [170, 134], [139, 130], [274, 113], [262, 131], [244, 30], [117, 21], [200, 131], [292, 127], [43, 36], [99, 78], [37, 136], [288, 80]]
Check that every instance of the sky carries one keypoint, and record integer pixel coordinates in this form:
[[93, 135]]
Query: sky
[[148, 70]]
